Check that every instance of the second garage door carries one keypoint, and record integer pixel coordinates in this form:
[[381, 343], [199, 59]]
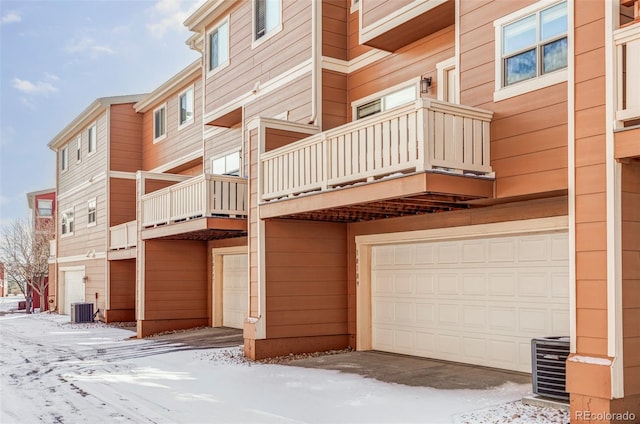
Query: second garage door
[[235, 290], [477, 301]]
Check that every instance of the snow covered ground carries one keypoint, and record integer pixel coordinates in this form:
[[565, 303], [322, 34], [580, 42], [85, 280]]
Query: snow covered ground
[[52, 371]]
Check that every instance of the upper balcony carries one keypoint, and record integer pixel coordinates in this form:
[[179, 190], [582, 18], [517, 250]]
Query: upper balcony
[[123, 239], [205, 207], [423, 157]]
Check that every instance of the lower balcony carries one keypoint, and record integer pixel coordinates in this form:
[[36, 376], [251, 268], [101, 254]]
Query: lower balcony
[[205, 207], [423, 157]]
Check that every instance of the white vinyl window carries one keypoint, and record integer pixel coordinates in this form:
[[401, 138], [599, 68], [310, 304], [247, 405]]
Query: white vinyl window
[[64, 158], [92, 142], [78, 148], [185, 102], [91, 212], [67, 222], [228, 164], [267, 18], [532, 47], [160, 123], [45, 208], [219, 46], [385, 102]]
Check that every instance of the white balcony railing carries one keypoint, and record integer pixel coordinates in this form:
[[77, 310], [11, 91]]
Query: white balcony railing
[[420, 136], [123, 236], [204, 195], [627, 41]]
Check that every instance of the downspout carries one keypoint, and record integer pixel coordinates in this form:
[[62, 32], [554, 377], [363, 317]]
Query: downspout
[[316, 45]]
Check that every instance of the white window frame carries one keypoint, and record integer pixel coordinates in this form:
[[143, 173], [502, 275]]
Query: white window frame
[[38, 201], [157, 138], [442, 68], [256, 42], [221, 66], [78, 149], [93, 201], [415, 82], [93, 127], [64, 159], [355, 6], [541, 81], [70, 228], [190, 120], [224, 156]]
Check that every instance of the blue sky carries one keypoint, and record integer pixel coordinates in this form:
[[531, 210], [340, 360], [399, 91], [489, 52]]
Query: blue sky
[[57, 57]]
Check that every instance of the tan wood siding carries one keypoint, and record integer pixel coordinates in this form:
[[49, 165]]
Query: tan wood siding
[[179, 141], [355, 49], [529, 131], [375, 10], [221, 144], [122, 285], [334, 29], [253, 218], [306, 278], [335, 110], [122, 201], [294, 98], [175, 279], [95, 286], [500, 213], [262, 63], [125, 144], [631, 276], [590, 183]]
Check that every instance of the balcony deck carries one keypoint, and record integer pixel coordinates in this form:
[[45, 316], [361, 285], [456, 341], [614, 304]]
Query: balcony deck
[[423, 157], [123, 239]]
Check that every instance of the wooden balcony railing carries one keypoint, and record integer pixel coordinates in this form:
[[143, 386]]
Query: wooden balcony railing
[[202, 196], [123, 236], [420, 136], [627, 41]]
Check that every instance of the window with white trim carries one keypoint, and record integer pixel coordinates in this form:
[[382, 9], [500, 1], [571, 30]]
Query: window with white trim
[[266, 17], [45, 207], [78, 148], [185, 102], [386, 102], [228, 164], [64, 158], [91, 212], [532, 48], [160, 123], [67, 222], [92, 142], [219, 46]]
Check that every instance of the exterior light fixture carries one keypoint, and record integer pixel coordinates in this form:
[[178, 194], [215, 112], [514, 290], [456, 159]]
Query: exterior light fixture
[[425, 84]]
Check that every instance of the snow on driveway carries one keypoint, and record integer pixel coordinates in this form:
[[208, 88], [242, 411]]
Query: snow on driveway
[[53, 371]]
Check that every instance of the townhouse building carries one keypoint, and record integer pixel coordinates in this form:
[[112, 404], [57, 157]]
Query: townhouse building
[[438, 178], [42, 204]]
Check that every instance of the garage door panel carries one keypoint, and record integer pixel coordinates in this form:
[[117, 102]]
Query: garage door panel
[[235, 290], [478, 301]]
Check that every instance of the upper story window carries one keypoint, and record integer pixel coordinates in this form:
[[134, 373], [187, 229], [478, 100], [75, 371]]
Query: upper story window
[[160, 123], [227, 165], [78, 148], [186, 107], [45, 207], [91, 212], [92, 142], [387, 101], [531, 46], [64, 158], [67, 222], [219, 46], [267, 18]]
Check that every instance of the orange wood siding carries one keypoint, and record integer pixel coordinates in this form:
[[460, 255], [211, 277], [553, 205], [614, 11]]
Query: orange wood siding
[[264, 62], [277, 138], [125, 145], [193, 170], [590, 183], [556, 206], [176, 279], [155, 185], [179, 141], [631, 276], [122, 285], [122, 201], [355, 49], [306, 289], [335, 109], [334, 29]]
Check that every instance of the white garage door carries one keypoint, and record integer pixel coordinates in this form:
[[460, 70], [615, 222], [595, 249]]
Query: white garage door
[[73, 289], [235, 290], [477, 301]]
